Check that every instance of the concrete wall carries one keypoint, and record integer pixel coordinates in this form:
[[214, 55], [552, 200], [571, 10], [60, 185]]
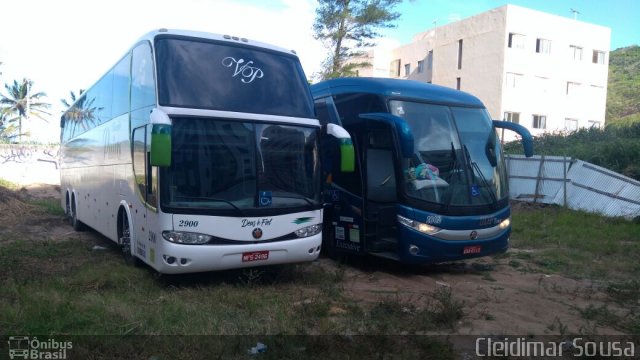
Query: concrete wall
[[543, 89]]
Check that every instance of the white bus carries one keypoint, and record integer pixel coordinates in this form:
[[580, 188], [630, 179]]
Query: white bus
[[198, 152]]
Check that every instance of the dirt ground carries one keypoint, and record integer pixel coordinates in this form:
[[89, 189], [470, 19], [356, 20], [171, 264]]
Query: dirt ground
[[498, 299]]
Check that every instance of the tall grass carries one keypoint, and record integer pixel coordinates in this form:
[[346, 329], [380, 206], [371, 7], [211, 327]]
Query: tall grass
[[577, 243], [66, 288]]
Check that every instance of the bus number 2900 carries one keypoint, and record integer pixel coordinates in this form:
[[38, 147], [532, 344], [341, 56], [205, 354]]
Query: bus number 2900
[[188, 223]]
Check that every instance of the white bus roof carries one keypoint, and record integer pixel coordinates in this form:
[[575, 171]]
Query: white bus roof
[[212, 36]]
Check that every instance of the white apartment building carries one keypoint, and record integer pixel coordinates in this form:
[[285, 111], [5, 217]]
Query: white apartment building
[[546, 72]]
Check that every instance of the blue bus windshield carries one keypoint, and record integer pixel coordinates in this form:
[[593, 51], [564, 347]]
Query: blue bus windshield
[[457, 159]]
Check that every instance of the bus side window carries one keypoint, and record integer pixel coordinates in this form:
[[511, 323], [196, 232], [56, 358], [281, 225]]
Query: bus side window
[[142, 85], [142, 78], [325, 111], [139, 155], [152, 173], [145, 175]]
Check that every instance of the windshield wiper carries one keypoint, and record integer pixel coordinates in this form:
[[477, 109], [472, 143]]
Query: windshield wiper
[[212, 199], [311, 202], [476, 169], [454, 169]]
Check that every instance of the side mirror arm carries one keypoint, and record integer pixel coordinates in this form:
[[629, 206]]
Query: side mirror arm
[[527, 139]]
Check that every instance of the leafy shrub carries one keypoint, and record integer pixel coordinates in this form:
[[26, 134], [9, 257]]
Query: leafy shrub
[[615, 147]]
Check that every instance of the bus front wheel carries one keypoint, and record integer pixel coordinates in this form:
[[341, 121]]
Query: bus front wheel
[[328, 239], [124, 235]]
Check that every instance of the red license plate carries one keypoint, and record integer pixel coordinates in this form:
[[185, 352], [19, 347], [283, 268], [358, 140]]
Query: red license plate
[[471, 250], [255, 256]]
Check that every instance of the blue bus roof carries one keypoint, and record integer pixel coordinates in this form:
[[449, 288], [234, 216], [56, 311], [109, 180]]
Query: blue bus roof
[[397, 88]]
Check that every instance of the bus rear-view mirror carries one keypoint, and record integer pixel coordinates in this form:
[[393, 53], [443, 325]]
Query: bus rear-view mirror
[[160, 145], [347, 152], [527, 139]]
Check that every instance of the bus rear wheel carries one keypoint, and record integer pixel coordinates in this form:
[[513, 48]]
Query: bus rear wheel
[[73, 218]]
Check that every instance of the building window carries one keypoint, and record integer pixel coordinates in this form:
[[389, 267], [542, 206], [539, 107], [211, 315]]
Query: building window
[[407, 69], [460, 54], [570, 124], [516, 41], [421, 66], [576, 52], [594, 124], [430, 60], [539, 122], [543, 46], [596, 90], [572, 88], [513, 80], [458, 83], [598, 57], [541, 83], [394, 68], [513, 117]]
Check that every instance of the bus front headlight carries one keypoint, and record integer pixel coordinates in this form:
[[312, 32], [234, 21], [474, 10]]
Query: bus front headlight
[[419, 226], [505, 223], [309, 230], [181, 237]]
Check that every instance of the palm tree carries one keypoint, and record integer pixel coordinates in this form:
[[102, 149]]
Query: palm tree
[[73, 97], [80, 108], [21, 102], [4, 125]]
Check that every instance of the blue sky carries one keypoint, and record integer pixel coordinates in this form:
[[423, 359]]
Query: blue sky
[[622, 16], [67, 45]]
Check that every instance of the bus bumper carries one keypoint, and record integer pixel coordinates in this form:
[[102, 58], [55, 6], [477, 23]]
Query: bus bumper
[[432, 250], [200, 258]]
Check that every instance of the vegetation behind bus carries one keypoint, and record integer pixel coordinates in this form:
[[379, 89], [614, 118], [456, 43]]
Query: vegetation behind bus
[[615, 147]]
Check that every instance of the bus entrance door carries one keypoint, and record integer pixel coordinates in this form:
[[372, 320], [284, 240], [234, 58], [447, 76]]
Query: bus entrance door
[[381, 193]]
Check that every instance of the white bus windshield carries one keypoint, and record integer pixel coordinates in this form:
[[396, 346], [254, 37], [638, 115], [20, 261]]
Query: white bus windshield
[[196, 73], [226, 165], [457, 159]]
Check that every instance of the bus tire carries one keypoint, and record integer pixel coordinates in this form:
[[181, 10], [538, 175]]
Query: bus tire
[[73, 218], [124, 238], [67, 208], [328, 241]]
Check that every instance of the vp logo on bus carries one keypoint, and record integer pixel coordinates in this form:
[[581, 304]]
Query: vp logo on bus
[[248, 72], [264, 199]]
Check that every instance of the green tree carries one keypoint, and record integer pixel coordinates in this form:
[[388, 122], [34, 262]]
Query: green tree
[[347, 28], [623, 93], [21, 102], [5, 127]]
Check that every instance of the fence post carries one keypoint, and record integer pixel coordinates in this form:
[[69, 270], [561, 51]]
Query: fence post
[[564, 178], [538, 178]]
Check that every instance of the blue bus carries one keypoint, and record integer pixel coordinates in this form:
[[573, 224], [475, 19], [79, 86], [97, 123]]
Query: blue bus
[[430, 183]]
